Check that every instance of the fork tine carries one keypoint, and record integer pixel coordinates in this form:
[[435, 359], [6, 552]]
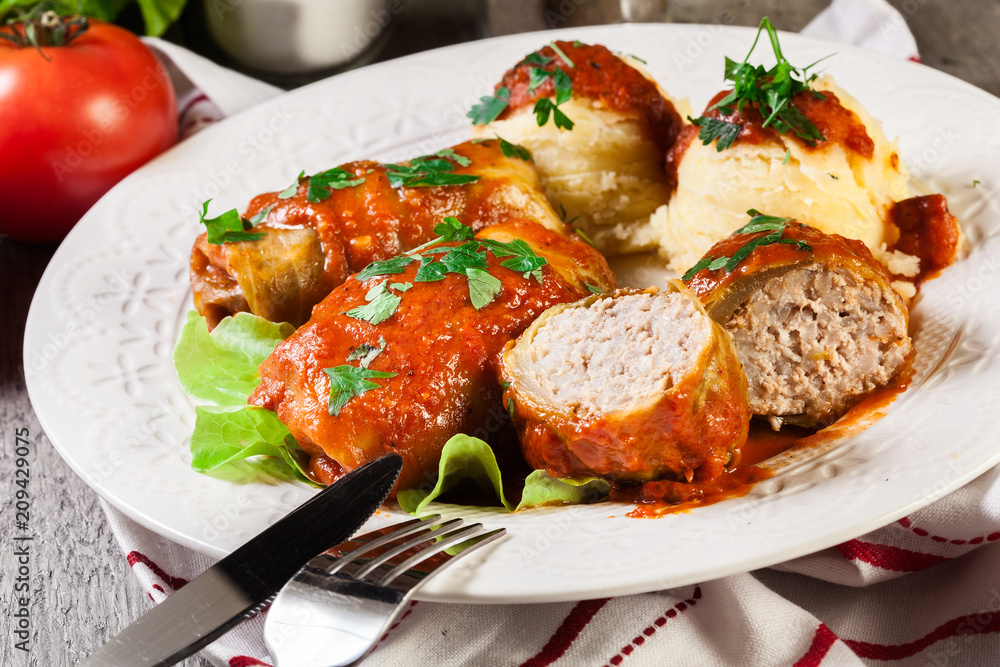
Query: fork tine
[[466, 537], [372, 540], [431, 530]]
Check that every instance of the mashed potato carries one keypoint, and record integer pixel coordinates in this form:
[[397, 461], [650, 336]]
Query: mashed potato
[[836, 190], [607, 173]]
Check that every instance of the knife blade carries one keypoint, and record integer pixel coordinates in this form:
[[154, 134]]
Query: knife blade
[[242, 583]]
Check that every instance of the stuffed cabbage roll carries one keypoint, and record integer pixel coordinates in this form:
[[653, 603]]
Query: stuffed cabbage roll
[[404, 355], [327, 226]]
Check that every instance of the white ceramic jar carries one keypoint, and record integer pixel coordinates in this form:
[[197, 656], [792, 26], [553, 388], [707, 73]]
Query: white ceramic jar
[[297, 36]]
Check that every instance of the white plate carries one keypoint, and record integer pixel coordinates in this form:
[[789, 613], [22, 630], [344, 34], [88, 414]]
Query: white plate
[[102, 325]]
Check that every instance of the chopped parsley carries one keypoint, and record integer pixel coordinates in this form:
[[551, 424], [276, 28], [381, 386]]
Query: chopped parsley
[[381, 303], [975, 183], [770, 90], [788, 156], [773, 225], [483, 287], [468, 258], [348, 381], [545, 107], [593, 289], [713, 128], [515, 150], [385, 267], [491, 107], [322, 185], [290, 191], [555, 47], [230, 226], [430, 171]]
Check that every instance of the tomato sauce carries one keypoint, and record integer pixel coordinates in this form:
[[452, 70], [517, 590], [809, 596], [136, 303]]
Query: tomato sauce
[[656, 499], [927, 230]]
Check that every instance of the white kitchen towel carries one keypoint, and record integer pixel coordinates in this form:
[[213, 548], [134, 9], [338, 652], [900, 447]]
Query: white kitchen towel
[[924, 590]]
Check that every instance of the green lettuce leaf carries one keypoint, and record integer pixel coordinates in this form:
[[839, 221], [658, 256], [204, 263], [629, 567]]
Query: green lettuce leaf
[[233, 438], [221, 366], [467, 458], [226, 435], [541, 488]]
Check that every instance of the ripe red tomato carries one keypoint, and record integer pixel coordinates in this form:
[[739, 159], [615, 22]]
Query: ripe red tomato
[[74, 125]]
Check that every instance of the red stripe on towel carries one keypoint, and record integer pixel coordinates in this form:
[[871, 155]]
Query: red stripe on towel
[[564, 636], [889, 558], [973, 624], [821, 643], [640, 639], [175, 583]]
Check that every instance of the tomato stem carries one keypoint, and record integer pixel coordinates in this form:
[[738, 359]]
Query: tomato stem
[[42, 26]]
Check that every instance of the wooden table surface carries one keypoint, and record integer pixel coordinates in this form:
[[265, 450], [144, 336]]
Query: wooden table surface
[[82, 590]]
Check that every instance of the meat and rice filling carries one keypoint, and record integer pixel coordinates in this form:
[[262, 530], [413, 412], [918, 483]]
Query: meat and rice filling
[[815, 339], [601, 358], [634, 386]]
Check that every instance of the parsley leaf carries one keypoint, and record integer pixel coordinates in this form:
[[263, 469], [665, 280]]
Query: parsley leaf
[[713, 128], [381, 305], [536, 59], [700, 265], [430, 271], [463, 257], [348, 381], [774, 225], [561, 120], [584, 236], [762, 223], [593, 289], [769, 90], [366, 353], [321, 185], [563, 85], [562, 55], [483, 287], [230, 227], [523, 257], [385, 267], [515, 150], [450, 229], [543, 109], [749, 247], [536, 77], [490, 107], [290, 191], [430, 171]]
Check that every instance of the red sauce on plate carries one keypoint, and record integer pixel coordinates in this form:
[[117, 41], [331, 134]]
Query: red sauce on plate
[[656, 499]]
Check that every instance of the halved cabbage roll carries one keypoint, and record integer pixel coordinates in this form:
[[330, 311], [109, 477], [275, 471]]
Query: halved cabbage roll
[[813, 316]]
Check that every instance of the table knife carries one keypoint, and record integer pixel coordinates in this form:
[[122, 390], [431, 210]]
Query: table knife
[[245, 581]]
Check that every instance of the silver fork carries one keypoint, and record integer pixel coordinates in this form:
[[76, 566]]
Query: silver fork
[[334, 610]]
